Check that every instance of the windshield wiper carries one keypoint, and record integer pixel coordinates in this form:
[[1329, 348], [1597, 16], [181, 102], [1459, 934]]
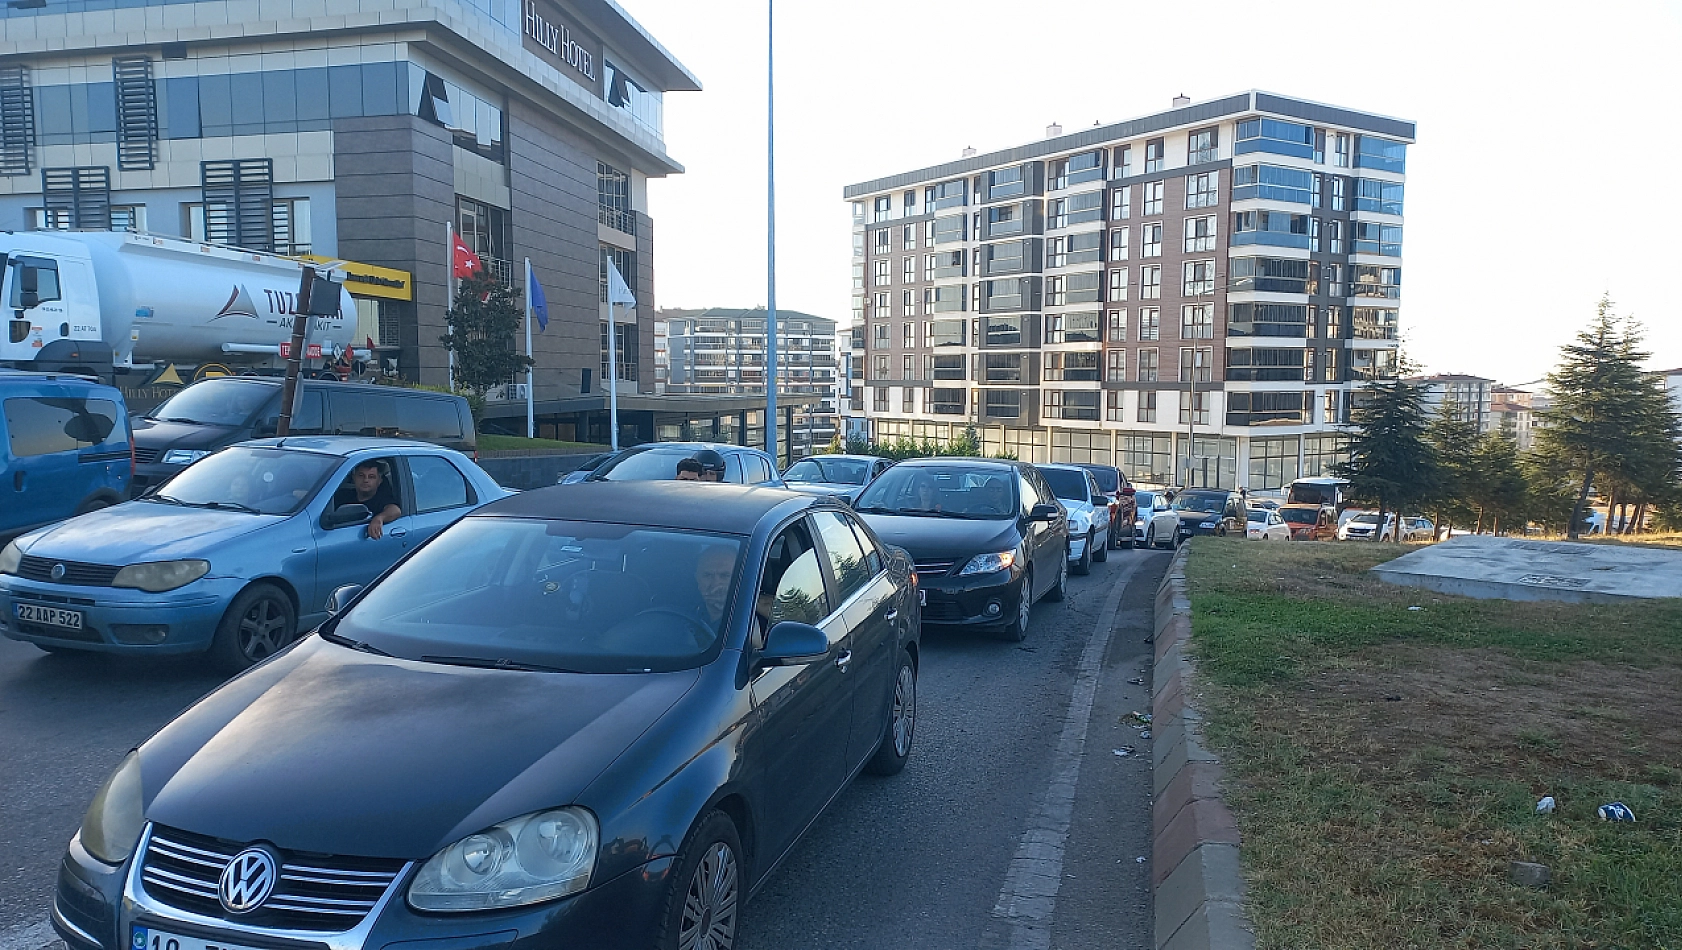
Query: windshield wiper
[[191, 422], [500, 663], [166, 499], [362, 645], [231, 506], [876, 510]]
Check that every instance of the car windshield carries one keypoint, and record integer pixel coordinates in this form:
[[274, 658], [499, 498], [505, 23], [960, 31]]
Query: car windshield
[[1067, 484], [950, 491], [649, 466], [830, 471], [1144, 501], [1299, 515], [1189, 501], [1256, 515], [261, 481], [554, 595], [215, 402], [1366, 519], [1108, 478]]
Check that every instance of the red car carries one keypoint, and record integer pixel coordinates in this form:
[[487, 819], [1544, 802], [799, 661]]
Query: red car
[[1310, 522]]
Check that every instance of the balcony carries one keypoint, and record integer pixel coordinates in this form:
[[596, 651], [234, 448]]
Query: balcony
[[617, 219]]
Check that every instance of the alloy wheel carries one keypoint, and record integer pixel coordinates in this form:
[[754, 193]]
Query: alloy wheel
[[1025, 603], [904, 714], [709, 905], [262, 630]]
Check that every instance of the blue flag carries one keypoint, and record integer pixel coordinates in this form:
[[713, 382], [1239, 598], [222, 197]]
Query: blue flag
[[539, 306]]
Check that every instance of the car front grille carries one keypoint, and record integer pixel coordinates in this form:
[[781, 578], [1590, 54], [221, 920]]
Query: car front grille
[[315, 892], [934, 568], [942, 612], [146, 456], [75, 572]]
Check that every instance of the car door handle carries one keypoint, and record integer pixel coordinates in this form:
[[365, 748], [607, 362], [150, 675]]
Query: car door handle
[[398, 532], [893, 614], [844, 659]]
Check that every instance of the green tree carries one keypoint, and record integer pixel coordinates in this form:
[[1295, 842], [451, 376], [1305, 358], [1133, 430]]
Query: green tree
[[1392, 464], [1601, 423], [1499, 489], [483, 322], [1453, 437]]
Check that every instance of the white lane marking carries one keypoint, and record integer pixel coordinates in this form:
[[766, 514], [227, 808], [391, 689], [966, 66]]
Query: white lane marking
[[1021, 917], [27, 936]]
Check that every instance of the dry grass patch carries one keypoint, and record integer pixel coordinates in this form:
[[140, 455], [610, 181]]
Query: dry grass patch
[[1384, 763]]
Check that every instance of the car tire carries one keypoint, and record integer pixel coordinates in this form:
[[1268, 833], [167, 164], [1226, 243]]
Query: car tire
[[1084, 565], [1017, 630], [708, 887], [901, 726], [1102, 554], [1060, 589], [92, 504], [259, 622]]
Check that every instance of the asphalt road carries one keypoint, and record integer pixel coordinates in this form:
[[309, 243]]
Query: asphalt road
[[1015, 826]]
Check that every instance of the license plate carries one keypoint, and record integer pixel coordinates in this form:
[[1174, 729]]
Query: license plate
[[51, 616], [922, 598], [148, 938]]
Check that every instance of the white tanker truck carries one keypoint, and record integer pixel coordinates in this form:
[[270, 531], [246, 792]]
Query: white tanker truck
[[101, 301]]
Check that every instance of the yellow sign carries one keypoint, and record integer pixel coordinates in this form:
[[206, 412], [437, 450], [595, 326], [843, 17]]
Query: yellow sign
[[370, 280], [211, 371], [167, 377]]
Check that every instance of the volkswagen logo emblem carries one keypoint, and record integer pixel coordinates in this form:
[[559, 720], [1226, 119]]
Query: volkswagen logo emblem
[[247, 881], [57, 572]]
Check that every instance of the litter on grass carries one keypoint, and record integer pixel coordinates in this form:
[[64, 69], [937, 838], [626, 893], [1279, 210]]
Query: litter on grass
[[1616, 811], [1546, 805], [1125, 751]]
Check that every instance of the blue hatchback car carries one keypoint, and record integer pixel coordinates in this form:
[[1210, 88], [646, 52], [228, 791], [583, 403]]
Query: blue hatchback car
[[237, 553], [64, 448]]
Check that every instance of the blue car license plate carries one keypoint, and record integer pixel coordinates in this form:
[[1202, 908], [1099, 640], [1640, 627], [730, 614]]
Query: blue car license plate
[[48, 616]]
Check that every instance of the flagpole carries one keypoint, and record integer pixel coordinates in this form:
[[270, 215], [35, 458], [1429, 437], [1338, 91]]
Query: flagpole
[[531, 422], [770, 242], [612, 376], [450, 296]]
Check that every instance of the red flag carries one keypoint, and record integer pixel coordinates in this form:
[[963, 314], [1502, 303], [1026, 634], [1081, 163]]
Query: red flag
[[463, 261]]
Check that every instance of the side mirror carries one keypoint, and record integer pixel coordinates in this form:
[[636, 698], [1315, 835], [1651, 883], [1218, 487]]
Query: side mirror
[[794, 644], [1043, 512], [346, 515], [29, 287], [341, 596]]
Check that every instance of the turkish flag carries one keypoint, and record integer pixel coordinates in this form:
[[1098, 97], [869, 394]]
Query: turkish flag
[[463, 262]]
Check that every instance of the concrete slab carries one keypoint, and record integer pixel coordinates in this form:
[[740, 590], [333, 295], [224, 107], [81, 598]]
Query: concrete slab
[[1493, 568]]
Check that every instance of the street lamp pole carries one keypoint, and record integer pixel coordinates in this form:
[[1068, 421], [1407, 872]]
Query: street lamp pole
[[770, 237]]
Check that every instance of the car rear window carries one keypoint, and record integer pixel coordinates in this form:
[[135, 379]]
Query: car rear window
[[1108, 478], [1066, 484], [1299, 515], [45, 425]]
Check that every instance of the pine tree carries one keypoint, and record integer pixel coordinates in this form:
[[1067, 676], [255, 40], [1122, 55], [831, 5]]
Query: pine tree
[[483, 322], [1601, 416], [1391, 461], [1454, 438], [1499, 490]]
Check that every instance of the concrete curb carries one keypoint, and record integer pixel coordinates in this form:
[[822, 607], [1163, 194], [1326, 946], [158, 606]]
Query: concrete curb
[[1199, 890]]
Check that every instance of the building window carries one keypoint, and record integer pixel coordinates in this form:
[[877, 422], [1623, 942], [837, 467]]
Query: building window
[[1062, 251], [1153, 197], [1121, 203], [1073, 288], [613, 198], [1116, 367], [1075, 209], [1198, 278], [1273, 182], [946, 402], [1147, 369], [881, 367], [1314, 195], [1334, 323], [1273, 463], [1275, 228], [1079, 327], [908, 368], [1150, 282], [1383, 154], [1265, 364], [1195, 363], [1194, 409], [1254, 409], [1118, 285], [1150, 240], [1072, 367], [1149, 323], [881, 308], [1341, 151], [1339, 187], [951, 228], [906, 306], [1276, 136], [1319, 146], [1074, 405], [879, 398], [1374, 281], [1314, 235], [1153, 156], [1003, 368], [1334, 235], [1087, 166], [1118, 326], [908, 269], [883, 208], [947, 194], [291, 226], [487, 230], [1123, 163], [1200, 234], [1118, 244], [881, 276], [884, 337], [908, 335], [1381, 197], [1367, 323], [1201, 146], [1203, 190], [883, 243], [948, 367], [1384, 240], [626, 353], [1004, 404], [1332, 372], [1113, 411], [1146, 411], [1270, 275], [1197, 322]]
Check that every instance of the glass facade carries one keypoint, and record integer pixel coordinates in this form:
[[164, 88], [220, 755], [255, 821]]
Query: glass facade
[[1276, 136], [1272, 182], [1383, 154]]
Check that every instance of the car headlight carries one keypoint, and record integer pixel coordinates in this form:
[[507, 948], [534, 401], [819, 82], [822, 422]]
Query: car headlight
[[988, 563], [1208, 524], [523, 860], [111, 828], [183, 456], [159, 576], [10, 557]]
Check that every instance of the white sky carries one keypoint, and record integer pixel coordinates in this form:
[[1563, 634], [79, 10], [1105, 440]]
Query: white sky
[[1544, 174]]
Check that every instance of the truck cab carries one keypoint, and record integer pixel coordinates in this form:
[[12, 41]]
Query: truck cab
[[51, 307]]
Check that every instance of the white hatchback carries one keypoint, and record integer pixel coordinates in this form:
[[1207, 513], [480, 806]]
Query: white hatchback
[[1265, 524], [1089, 513]]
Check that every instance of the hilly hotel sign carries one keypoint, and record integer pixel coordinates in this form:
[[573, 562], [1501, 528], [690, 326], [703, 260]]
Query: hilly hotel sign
[[548, 34]]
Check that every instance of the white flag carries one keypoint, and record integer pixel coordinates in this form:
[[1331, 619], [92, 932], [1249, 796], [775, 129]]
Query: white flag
[[617, 290]]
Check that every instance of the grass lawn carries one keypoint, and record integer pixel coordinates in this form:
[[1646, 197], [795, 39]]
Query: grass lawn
[[516, 443], [1384, 762]]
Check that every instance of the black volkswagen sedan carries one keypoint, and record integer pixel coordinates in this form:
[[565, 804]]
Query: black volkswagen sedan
[[988, 537], [591, 715]]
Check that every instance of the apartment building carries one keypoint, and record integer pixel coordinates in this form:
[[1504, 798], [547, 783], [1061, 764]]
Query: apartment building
[[721, 352], [359, 130], [1469, 398], [1513, 411], [1193, 295]]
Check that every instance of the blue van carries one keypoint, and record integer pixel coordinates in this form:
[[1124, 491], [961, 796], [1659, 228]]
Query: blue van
[[65, 448]]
